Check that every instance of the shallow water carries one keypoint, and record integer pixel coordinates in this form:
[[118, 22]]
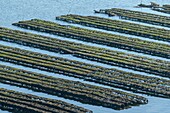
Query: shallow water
[[15, 10]]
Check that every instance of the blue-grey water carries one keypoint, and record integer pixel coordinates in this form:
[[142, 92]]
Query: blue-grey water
[[15, 10]]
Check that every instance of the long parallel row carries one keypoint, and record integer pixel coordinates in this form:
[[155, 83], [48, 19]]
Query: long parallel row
[[118, 26], [139, 63], [132, 44], [162, 10], [74, 90], [18, 102], [140, 16], [112, 77]]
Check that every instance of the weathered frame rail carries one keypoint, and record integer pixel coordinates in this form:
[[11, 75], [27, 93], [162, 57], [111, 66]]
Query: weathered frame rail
[[135, 62], [139, 16], [74, 90], [118, 26], [112, 77], [132, 44], [18, 102]]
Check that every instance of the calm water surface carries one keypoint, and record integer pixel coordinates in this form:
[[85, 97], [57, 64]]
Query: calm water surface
[[15, 10]]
